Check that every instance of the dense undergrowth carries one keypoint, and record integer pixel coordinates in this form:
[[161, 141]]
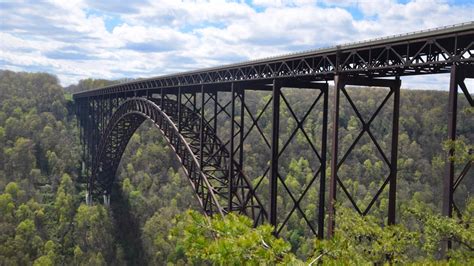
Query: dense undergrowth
[[43, 220]]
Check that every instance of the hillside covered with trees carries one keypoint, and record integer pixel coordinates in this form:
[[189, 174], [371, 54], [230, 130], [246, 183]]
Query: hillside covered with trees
[[154, 218]]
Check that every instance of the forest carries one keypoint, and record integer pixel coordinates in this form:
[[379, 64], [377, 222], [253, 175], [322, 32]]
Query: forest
[[154, 218]]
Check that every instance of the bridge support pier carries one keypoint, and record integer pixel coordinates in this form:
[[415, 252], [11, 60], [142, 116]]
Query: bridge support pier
[[277, 181], [236, 143], [275, 154], [451, 182], [322, 181], [340, 83]]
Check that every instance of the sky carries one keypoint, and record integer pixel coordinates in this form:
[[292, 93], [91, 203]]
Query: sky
[[111, 39]]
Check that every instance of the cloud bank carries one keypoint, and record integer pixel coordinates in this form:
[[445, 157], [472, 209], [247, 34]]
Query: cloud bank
[[78, 39]]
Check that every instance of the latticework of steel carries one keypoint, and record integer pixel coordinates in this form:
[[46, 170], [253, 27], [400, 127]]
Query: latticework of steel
[[215, 167]]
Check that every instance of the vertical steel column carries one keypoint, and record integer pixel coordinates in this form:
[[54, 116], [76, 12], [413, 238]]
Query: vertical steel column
[[452, 121], [338, 85], [85, 118], [115, 103], [108, 113], [95, 127], [80, 122], [215, 113], [194, 102], [231, 148], [90, 183], [103, 111], [274, 162], [180, 116], [162, 99], [99, 115], [392, 193], [449, 175], [322, 181], [241, 140], [201, 129], [102, 115]]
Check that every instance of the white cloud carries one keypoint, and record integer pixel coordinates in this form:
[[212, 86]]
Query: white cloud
[[280, 3], [189, 13], [73, 40]]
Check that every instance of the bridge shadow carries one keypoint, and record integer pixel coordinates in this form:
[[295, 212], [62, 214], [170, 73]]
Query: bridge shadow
[[127, 228]]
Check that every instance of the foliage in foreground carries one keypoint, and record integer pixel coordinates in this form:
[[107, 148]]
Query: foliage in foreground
[[229, 241], [43, 223], [358, 240], [362, 240]]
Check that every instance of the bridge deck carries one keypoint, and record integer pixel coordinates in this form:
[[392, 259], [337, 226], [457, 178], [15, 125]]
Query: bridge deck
[[424, 52]]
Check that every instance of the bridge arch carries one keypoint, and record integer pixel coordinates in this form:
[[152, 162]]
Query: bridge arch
[[208, 176]]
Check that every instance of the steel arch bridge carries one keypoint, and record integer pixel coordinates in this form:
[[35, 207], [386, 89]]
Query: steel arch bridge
[[206, 172], [186, 108]]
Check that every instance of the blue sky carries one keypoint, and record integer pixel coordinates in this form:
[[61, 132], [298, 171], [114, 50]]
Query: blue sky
[[77, 39]]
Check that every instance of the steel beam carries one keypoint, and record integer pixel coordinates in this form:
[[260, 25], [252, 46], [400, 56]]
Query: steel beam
[[394, 154], [338, 85], [449, 175], [242, 126], [274, 163], [413, 54], [180, 113], [240, 148], [322, 180], [201, 127], [216, 113], [452, 120], [231, 149]]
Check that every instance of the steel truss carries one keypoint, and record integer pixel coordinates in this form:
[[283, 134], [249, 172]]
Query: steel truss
[[188, 108], [413, 54], [205, 159], [278, 97], [271, 173], [394, 93], [188, 118]]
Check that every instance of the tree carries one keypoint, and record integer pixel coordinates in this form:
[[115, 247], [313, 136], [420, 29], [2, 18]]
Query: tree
[[7, 207], [158, 246], [27, 242], [436, 229], [93, 233], [229, 241], [365, 240], [49, 257], [64, 207], [362, 239], [39, 144], [21, 158]]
